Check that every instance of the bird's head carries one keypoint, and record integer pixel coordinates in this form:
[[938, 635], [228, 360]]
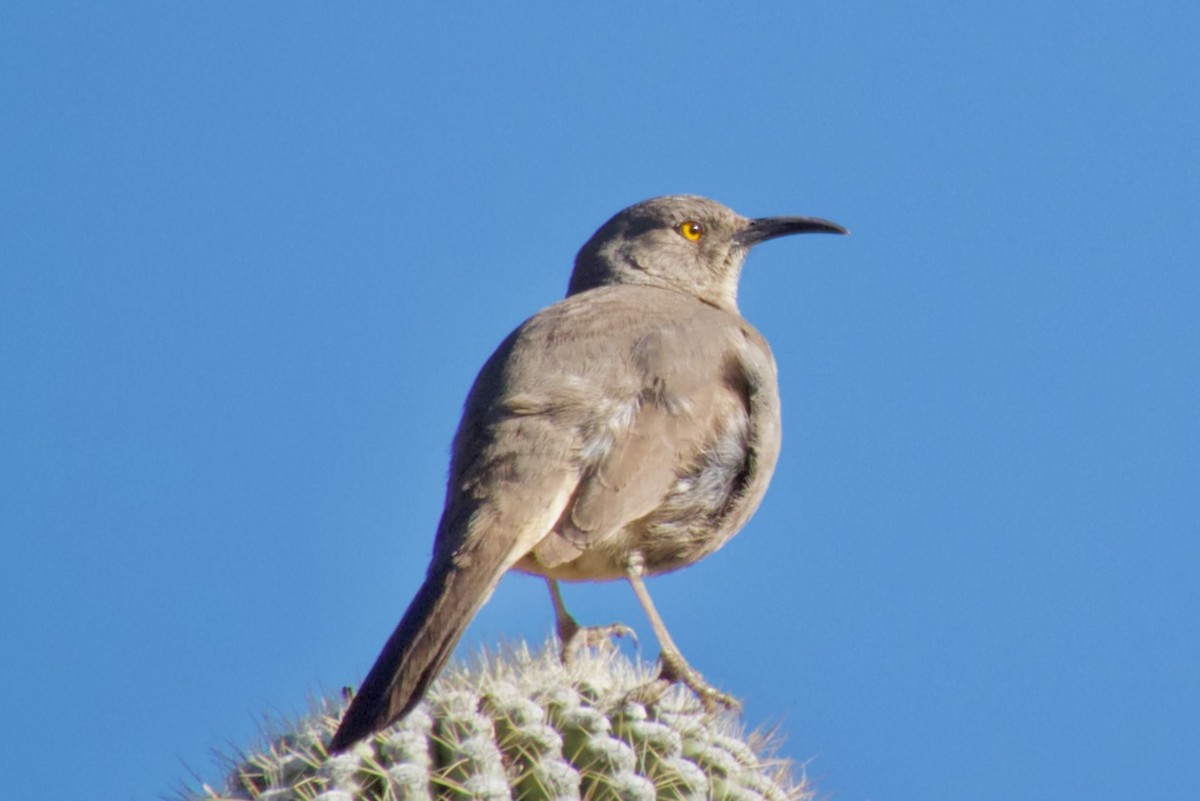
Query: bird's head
[[686, 243]]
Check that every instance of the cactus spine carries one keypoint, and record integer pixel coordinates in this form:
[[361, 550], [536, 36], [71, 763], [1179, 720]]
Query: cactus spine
[[521, 726]]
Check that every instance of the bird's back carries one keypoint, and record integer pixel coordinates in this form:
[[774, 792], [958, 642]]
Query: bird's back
[[665, 432]]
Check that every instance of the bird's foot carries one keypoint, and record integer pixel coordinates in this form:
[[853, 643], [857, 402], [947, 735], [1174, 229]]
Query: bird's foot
[[575, 637], [673, 669]]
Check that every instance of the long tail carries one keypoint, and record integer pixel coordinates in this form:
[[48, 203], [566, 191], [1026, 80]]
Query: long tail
[[417, 649]]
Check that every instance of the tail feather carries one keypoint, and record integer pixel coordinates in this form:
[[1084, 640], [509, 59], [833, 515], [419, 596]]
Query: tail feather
[[417, 649]]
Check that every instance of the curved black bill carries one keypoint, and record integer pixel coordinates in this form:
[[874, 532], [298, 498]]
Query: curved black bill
[[764, 228]]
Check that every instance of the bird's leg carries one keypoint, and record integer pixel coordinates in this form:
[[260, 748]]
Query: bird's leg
[[573, 636], [673, 667]]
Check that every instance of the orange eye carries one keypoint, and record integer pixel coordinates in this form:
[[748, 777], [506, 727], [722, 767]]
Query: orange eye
[[691, 230]]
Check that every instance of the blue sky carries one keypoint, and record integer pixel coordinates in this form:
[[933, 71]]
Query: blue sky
[[252, 254]]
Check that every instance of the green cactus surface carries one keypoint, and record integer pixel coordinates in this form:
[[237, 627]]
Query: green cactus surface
[[520, 725]]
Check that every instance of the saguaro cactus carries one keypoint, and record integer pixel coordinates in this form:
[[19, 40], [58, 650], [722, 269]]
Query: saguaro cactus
[[519, 725]]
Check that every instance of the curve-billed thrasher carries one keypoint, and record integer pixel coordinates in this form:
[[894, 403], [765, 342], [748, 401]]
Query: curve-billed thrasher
[[627, 430]]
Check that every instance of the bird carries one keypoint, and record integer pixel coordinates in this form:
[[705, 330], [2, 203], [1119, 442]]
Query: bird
[[625, 431]]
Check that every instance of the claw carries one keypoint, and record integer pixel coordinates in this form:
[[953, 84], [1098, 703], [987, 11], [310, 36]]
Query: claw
[[577, 637], [649, 693], [672, 669]]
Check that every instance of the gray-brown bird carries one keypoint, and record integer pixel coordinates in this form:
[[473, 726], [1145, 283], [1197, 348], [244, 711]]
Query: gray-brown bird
[[628, 430]]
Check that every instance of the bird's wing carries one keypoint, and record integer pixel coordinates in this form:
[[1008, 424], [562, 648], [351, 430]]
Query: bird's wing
[[701, 439], [632, 476], [613, 394], [684, 395]]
